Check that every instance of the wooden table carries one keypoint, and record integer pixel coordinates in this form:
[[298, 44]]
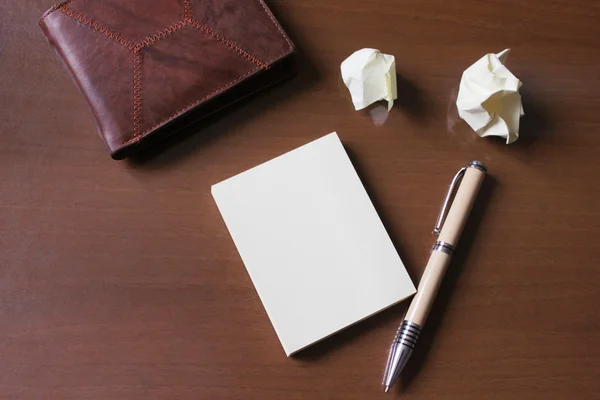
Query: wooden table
[[118, 280]]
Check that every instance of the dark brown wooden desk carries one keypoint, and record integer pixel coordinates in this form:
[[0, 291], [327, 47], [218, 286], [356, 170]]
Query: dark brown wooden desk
[[118, 280]]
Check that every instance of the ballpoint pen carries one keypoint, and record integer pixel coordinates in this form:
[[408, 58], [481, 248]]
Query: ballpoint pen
[[449, 226]]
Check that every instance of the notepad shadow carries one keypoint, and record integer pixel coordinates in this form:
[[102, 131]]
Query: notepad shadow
[[349, 335]]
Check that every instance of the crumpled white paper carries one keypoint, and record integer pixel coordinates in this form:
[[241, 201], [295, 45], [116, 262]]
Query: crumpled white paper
[[370, 76], [489, 99]]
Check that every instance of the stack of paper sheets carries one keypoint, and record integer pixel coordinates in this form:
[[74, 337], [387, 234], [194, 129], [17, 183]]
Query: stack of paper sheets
[[312, 242]]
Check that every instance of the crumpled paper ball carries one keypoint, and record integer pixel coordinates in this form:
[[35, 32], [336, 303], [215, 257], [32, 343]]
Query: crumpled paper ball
[[370, 77], [489, 99]]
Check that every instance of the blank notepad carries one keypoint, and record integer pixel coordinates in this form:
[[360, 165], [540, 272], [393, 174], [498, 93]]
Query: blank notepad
[[312, 242]]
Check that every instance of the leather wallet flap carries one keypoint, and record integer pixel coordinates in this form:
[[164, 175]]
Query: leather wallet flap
[[142, 64]]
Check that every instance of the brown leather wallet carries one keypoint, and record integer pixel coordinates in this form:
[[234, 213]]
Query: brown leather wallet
[[147, 68]]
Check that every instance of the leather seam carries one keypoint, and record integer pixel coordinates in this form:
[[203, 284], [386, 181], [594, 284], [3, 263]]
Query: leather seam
[[96, 26], [226, 42], [189, 18], [192, 105], [187, 10], [161, 34], [137, 92], [135, 48]]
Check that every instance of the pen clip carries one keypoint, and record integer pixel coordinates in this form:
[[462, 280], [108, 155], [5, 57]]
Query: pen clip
[[449, 197]]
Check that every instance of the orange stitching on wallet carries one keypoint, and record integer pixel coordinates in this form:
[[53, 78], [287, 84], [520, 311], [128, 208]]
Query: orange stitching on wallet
[[187, 10], [117, 37], [194, 104], [137, 92], [160, 34], [227, 42]]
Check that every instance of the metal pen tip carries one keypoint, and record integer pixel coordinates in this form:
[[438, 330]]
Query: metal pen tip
[[387, 389]]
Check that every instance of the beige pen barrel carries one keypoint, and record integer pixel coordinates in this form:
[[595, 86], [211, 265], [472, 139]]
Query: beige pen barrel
[[428, 287], [468, 180], [443, 249]]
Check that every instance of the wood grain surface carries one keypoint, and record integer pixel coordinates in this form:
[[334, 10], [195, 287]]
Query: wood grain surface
[[119, 280]]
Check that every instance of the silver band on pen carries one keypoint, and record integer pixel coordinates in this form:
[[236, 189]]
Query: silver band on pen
[[443, 247]]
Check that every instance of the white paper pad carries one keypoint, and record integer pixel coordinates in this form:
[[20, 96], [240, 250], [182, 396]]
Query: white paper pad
[[312, 242]]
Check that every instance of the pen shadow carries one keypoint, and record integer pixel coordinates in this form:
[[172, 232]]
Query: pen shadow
[[393, 313], [474, 222]]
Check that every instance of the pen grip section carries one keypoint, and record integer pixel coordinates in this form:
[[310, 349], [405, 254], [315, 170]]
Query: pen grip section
[[428, 287]]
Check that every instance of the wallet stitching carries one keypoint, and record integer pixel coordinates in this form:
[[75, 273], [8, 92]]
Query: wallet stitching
[[187, 10], [137, 92], [225, 41], [192, 105], [163, 33], [136, 48], [96, 26], [189, 18]]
